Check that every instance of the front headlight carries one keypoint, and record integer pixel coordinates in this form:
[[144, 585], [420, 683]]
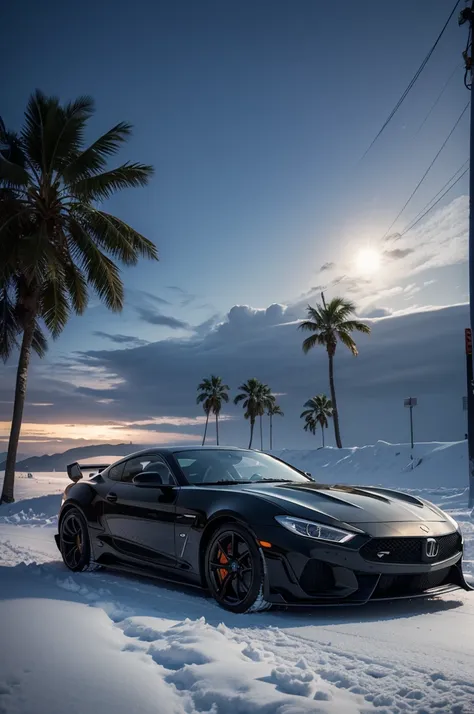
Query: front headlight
[[318, 531]]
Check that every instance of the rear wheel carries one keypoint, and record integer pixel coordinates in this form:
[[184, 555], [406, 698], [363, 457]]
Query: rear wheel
[[235, 571], [74, 541]]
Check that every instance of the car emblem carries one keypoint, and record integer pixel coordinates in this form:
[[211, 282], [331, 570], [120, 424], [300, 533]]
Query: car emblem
[[432, 548], [383, 553], [425, 529]]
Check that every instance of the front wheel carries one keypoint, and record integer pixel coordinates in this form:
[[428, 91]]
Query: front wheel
[[74, 541], [235, 570]]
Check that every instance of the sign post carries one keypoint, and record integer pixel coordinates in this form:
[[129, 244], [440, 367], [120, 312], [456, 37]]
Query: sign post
[[470, 411], [410, 403]]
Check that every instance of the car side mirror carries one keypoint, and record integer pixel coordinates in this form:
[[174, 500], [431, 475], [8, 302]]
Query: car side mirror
[[308, 474], [152, 479]]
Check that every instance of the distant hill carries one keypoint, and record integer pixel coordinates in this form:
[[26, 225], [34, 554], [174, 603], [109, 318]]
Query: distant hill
[[3, 456], [58, 462]]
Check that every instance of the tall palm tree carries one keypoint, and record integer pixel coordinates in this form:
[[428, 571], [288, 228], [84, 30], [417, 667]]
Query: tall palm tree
[[265, 401], [273, 410], [318, 410], [256, 398], [55, 241], [212, 392], [331, 323]]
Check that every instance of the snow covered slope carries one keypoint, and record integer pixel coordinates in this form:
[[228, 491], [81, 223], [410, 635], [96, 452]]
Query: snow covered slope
[[438, 465], [101, 642]]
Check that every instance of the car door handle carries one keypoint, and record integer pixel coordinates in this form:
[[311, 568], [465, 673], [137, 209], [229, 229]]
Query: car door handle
[[111, 497]]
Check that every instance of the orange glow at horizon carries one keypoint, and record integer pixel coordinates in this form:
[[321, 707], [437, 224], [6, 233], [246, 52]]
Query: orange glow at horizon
[[41, 433]]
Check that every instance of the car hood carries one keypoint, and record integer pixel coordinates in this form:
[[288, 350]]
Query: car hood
[[349, 504]]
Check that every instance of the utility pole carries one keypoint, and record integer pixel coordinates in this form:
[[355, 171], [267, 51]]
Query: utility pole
[[467, 16]]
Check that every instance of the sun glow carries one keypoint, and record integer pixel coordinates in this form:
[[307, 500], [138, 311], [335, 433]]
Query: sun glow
[[367, 261]]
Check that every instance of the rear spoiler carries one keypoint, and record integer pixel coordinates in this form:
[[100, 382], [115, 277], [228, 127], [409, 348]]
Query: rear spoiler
[[74, 470]]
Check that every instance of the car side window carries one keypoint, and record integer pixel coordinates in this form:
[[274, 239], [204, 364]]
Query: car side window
[[147, 462], [115, 472]]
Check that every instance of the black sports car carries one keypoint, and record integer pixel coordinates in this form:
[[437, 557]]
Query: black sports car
[[255, 531]]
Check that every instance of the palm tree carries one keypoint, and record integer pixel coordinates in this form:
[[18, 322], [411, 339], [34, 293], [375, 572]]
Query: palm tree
[[273, 410], [212, 392], [256, 398], [310, 424], [318, 410], [265, 401], [55, 241], [332, 322]]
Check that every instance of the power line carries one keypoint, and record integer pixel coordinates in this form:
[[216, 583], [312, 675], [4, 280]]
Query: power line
[[412, 81], [466, 163], [445, 86], [427, 170], [412, 225]]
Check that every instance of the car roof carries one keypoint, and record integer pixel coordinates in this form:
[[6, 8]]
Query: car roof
[[178, 448], [191, 447]]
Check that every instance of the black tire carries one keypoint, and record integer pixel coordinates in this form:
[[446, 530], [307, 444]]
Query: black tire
[[74, 541], [235, 571]]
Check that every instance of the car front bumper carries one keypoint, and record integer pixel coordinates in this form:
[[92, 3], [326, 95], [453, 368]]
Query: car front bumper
[[303, 572]]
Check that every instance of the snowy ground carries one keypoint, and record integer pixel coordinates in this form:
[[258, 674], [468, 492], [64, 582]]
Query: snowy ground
[[99, 642]]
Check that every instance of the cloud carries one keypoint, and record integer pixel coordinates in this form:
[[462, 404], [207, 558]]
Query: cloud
[[155, 317], [153, 388], [398, 253], [205, 327], [327, 266], [121, 339], [153, 298], [186, 297], [440, 240], [378, 312]]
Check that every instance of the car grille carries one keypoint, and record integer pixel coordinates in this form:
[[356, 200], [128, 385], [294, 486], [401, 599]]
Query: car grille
[[410, 550], [399, 585]]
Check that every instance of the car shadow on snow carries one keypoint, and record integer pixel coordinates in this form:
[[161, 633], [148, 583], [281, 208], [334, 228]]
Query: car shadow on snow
[[123, 596]]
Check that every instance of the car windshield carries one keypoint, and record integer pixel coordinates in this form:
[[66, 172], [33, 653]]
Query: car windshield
[[232, 466]]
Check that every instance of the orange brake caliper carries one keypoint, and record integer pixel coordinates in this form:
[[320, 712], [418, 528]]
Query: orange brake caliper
[[222, 559]]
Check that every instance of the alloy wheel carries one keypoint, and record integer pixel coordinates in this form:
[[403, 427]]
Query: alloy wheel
[[73, 540], [231, 569]]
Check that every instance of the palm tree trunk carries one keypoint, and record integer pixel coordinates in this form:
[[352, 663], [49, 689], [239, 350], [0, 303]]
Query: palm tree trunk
[[261, 433], [252, 423], [322, 433], [205, 429], [217, 428], [271, 433], [19, 403], [337, 432]]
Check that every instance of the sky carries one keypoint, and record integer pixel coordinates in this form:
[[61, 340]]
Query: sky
[[255, 116]]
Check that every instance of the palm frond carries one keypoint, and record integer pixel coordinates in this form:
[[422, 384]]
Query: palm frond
[[347, 340], [310, 342], [64, 132], [12, 162], [33, 130], [309, 326], [338, 309], [94, 158], [9, 326], [76, 286], [356, 326], [39, 343], [102, 273], [102, 186], [55, 308]]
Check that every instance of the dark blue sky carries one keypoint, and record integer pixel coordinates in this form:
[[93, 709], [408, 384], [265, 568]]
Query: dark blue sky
[[254, 114]]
